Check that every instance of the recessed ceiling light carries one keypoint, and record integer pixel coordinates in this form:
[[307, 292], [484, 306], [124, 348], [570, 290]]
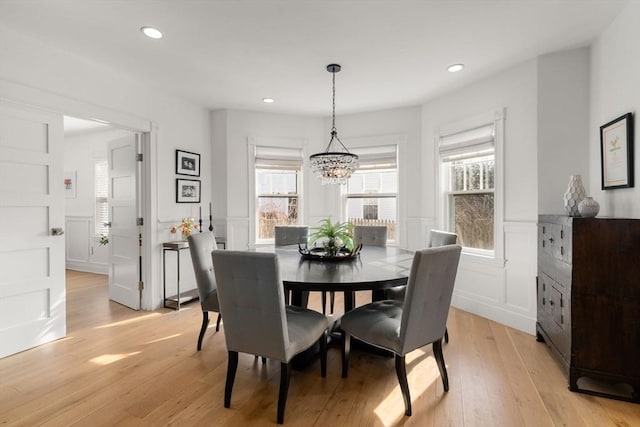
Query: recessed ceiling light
[[268, 100], [151, 32], [455, 68]]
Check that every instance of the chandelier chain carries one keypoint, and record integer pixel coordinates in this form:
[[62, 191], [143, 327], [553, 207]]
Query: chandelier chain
[[333, 124]]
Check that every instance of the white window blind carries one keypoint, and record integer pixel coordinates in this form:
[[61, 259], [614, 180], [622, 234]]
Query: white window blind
[[278, 158], [379, 157], [101, 190], [468, 143]]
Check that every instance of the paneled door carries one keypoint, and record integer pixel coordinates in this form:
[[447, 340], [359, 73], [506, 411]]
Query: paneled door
[[32, 277], [124, 233]]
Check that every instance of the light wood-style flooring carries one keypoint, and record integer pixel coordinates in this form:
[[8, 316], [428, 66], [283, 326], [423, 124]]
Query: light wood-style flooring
[[127, 368]]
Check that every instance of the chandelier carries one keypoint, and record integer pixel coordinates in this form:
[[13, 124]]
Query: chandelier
[[334, 165]]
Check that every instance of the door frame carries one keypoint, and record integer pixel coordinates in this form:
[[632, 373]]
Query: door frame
[[37, 98]]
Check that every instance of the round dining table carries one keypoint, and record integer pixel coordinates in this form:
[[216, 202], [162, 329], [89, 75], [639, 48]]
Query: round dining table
[[374, 268]]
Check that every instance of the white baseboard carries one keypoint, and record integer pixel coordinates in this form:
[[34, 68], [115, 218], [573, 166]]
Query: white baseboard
[[88, 267]]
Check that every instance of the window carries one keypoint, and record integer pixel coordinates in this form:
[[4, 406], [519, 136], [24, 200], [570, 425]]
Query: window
[[277, 186], [101, 178], [468, 174], [372, 191]]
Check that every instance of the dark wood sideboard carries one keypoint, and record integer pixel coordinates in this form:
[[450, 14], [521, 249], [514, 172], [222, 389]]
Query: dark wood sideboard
[[588, 292]]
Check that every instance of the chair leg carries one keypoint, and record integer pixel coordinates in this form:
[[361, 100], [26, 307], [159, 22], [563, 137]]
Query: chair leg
[[232, 367], [446, 335], [323, 354], [218, 322], [346, 350], [324, 302], [285, 375], [401, 372], [332, 297], [437, 352], [203, 328]]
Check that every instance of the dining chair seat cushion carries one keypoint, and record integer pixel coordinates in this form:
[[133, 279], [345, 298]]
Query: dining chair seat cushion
[[377, 323], [305, 326]]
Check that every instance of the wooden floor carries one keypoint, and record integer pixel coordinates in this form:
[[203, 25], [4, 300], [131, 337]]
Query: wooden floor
[[121, 367]]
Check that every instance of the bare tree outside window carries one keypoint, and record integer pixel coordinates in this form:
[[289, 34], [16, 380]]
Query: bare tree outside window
[[471, 200], [277, 200]]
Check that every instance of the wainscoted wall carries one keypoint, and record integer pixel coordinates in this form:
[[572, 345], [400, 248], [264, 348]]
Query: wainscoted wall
[[504, 292], [83, 252], [238, 233]]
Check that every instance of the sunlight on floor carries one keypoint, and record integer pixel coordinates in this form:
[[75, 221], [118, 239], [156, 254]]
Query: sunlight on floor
[[420, 377], [163, 338], [130, 321], [107, 359]]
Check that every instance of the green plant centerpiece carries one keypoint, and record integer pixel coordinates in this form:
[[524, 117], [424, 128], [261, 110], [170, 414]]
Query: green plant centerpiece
[[335, 236]]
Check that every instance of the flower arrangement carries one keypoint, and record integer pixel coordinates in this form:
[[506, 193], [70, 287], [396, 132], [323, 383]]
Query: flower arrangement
[[104, 240], [187, 225]]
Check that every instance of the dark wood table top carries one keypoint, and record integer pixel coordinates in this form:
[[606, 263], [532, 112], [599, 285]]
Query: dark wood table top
[[374, 268]]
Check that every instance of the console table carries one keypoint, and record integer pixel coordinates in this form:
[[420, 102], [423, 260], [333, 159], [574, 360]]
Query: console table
[[174, 301]]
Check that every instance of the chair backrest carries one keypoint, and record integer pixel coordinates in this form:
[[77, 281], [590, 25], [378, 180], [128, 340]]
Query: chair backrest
[[291, 234], [370, 235], [252, 303], [441, 238], [428, 296], [200, 246]]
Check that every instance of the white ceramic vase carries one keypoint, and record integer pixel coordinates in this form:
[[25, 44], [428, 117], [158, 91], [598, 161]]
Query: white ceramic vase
[[588, 208], [574, 195]]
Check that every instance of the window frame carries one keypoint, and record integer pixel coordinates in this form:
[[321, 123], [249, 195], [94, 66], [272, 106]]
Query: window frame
[[399, 179], [258, 196], [496, 118], [99, 229], [253, 144]]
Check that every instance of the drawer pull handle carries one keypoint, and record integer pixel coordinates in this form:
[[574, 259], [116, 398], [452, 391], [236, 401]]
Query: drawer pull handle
[[550, 239]]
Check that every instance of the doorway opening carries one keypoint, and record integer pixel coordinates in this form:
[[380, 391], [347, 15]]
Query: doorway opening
[[102, 206]]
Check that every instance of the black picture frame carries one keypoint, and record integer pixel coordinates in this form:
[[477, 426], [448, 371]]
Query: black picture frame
[[187, 163], [616, 153], [187, 190]]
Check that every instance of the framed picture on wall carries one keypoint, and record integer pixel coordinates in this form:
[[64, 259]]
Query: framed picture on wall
[[187, 163], [70, 191], [616, 150], [187, 191]]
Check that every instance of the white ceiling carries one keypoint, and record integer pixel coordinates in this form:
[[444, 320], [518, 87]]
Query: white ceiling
[[231, 54]]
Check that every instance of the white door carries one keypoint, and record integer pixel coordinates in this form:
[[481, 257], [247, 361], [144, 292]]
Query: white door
[[124, 233], [32, 277]]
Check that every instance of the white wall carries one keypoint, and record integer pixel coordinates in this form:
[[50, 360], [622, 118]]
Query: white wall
[[235, 130], [563, 125], [38, 74], [615, 70]]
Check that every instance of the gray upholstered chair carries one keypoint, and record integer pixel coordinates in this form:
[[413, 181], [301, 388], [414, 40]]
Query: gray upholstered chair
[[370, 235], [257, 321], [291, 234], [441, 238], [421, 319], [435, 239], [200, 246]]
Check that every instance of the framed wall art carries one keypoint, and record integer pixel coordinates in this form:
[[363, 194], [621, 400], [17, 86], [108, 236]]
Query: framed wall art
[[616, 150], [70, 182], [187, 163], [187, 191]]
